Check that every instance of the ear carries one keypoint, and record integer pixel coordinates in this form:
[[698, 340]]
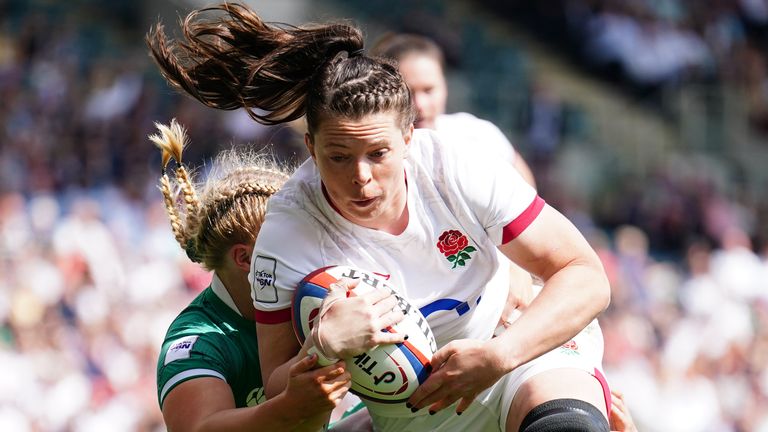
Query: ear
[[310, 145], [407, 137], [241, 256]]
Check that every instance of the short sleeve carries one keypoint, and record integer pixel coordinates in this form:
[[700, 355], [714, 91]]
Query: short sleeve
[[189, 356], [287, 249], [498, 196]]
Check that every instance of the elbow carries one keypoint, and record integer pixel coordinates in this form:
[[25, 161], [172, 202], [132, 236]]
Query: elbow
[[602, 296]]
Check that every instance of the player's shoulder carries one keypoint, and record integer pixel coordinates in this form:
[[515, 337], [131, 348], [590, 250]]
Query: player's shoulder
[[195, 319], [457, 117], [462, 121]]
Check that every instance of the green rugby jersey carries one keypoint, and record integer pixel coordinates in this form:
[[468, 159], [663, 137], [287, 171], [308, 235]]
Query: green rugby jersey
[[211, 339]]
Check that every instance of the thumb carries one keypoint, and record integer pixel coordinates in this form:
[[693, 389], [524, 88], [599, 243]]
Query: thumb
[[336, 291], [305, 364], [352, 283]]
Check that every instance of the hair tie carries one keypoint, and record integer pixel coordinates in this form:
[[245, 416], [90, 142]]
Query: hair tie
[[357, 52]]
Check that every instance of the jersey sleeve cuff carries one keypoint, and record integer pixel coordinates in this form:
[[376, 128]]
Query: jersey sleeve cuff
[[517, 226], [272, 317], [185, 376]]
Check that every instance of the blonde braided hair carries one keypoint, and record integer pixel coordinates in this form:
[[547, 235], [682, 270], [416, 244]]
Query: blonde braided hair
[[227, 209]]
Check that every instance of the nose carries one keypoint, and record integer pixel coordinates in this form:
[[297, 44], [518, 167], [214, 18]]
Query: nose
[[362, 173], [421, 100]]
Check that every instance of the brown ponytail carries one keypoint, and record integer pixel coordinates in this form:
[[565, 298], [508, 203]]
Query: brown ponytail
[[278, 73]]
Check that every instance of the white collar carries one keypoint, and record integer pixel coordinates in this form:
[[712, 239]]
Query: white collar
[[218, 288]]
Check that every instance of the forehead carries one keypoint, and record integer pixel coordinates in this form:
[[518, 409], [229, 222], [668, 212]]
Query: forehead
[[420, 68], [371, 128]]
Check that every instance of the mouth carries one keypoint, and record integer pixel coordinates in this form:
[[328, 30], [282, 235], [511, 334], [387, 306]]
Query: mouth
[[362, 203]]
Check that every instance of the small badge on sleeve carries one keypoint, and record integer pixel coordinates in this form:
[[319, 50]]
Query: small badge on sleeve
[[180, 349], [262, 279]]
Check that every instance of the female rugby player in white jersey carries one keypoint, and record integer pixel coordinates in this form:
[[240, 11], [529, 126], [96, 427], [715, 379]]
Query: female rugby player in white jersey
[[378, 195]]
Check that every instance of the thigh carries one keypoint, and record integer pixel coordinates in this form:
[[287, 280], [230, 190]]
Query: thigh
[[561, 383], [572, 371]]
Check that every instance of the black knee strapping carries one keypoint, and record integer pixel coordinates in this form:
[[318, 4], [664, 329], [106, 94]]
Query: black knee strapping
[[565, 415]]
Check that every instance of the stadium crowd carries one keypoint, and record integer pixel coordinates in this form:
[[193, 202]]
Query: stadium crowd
[[90, 275], [653, 47]]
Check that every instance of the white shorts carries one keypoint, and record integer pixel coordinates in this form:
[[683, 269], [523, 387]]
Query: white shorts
[[489, 410]]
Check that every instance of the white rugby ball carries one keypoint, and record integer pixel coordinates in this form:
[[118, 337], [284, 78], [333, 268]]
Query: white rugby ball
[[386, 373]]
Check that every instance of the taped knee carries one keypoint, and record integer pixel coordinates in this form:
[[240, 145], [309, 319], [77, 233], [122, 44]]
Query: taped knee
[[565, 415]]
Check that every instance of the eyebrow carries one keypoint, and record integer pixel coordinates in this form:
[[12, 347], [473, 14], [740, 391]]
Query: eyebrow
[[377, 143]]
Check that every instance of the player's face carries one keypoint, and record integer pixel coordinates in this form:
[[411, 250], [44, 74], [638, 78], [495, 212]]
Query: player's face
[[361, 165], [424, 76]]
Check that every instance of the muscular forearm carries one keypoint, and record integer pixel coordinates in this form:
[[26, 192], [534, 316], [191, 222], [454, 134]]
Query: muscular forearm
[[314, 424], [570, 300], [274, 414], [279, 378]]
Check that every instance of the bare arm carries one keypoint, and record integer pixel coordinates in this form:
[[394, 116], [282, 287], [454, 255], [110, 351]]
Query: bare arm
[[575, 291], [277, 345], [575, 288], [206, 403]]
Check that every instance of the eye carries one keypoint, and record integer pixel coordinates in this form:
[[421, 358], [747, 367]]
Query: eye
[[338, 158], [378, 154]]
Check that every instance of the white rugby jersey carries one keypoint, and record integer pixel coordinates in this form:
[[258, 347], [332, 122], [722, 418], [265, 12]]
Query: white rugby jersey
[[445, 262], [475, 134]]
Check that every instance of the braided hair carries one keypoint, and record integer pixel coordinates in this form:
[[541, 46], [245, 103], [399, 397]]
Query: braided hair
[[227, 209]]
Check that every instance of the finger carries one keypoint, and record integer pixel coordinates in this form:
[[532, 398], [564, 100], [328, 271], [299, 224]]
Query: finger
[[338, 382], [390, 318], [618, 403], [439, 399], [441, 356], [338, 394], [465, 402], [442, 403], [306, 363], [617, 394], [617, 420], [348, 283], [376, 296], [388, 337], [343, 378], [331, 371], [382, 305], [425, 390], [337, 289]]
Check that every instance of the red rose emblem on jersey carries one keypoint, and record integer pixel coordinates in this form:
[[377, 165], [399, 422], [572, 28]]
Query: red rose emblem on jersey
[[451, 242], [455, 246]]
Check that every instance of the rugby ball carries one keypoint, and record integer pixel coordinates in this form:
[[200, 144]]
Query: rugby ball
[[386, 373]]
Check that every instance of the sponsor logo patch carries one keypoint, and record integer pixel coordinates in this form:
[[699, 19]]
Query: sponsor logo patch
[[262, 279], [255, 397], [180, 349]]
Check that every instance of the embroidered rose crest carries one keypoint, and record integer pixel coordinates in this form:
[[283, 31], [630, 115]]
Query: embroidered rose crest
[[455, 246]]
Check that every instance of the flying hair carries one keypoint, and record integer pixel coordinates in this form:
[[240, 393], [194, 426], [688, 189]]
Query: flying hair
[[229, 58]]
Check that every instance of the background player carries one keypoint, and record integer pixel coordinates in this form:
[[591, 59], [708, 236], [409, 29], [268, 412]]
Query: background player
[[422, 64]]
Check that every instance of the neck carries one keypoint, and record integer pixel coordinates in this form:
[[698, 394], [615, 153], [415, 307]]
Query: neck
[[400, 218], [236, 283]]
